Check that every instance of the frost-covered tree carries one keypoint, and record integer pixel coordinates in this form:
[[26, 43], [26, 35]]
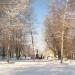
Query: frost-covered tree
[[60, 19], [13, 23]]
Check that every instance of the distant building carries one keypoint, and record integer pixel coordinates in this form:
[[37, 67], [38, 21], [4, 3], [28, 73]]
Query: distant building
[[48, 54]]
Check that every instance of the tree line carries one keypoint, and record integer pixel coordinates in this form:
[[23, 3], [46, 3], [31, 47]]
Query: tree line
[[59, 28], [15, 27]]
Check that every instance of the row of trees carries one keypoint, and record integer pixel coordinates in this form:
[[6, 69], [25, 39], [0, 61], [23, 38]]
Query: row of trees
[[15, 26], [59, 25]]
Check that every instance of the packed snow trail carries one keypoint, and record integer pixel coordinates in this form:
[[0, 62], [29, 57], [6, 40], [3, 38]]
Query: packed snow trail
[[36, 68]]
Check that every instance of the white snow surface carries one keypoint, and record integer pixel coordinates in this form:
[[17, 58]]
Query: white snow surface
[[37, 68]]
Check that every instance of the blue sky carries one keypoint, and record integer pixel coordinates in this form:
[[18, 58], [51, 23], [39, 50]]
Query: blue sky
[[40, 11]]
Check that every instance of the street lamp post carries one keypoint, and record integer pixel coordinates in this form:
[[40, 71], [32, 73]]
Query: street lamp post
[[32, 44]]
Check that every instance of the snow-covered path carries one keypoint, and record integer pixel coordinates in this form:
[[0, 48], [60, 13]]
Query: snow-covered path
[[36, 68]]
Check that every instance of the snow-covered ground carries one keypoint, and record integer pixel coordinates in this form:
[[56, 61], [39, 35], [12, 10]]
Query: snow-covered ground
[[37, 68]]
